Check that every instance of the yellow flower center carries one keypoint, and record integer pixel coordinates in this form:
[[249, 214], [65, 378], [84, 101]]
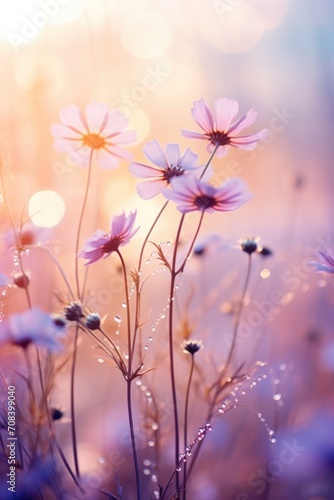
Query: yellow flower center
[[94, 141]]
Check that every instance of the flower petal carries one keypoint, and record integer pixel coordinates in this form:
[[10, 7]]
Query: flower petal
[[173, 154], [142, 171], [72, 117], [155, 154], [202, 115], [149, 189], [244, 122], [193, 135], [97, 114], [188, 160], [225, 112]]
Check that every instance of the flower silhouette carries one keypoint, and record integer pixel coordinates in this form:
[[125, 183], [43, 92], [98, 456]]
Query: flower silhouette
[[98, 130], [101, 244], [219, 129]]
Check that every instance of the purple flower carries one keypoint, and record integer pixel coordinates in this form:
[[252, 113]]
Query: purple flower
[[99, 130], [191, 194], [219, 129], [33, 327], [169, 164], [324, 260], [101, 244]]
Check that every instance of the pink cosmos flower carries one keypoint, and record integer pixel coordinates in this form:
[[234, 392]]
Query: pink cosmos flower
[[169, 164], [219, 129], [191, 194], [98, 130], [33, 327], [324, 260], [101, 244]]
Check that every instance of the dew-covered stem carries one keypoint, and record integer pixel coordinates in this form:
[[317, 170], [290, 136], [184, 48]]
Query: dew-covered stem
[[185, 431]]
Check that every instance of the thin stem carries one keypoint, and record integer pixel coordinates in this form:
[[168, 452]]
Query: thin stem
[[209, 160], [186, 425], [61, 270], [77, 242], [181, 268], [149, 234], [171, 348], [129, 378], [218, 384], [238, 317], [73, 427], [133, 439]]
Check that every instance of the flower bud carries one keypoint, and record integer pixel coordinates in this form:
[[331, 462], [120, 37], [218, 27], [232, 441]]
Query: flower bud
[[93, 321], [73, 312], [21, 280]]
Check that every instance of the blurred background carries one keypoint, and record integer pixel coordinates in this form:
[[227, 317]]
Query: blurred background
[[152, 59]]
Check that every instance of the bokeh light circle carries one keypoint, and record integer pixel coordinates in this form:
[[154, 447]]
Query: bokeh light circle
[[46, 208]]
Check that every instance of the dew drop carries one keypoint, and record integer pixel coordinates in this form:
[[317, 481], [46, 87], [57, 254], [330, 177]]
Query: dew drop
[[139, 382], [147, 462], [101, 460], [277, 397], [155, 426], [151, 443], [3, 293], [273, 440], [124, 304], [283, 367], [154, 479], [100, 360], [178, 468], [118, 319]]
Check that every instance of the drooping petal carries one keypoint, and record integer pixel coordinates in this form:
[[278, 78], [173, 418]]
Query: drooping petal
[[117, 224], [122, 138], [106, 160], [202, 115], [249, 141], [225, 112], [119, 152]]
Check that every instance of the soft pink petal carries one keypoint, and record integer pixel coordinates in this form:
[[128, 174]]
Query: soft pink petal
[[188, 160], [142, 171], [244, 122], [72, 116], [248, 141], [194, 135], [129, 223], [202, 115], [225, 112], [106, 160], [65, 146], [117, 122], [173, 154], [149, 189], [61, 131], [97, 115], [118, 152], [117, 224], [122, 138], [155, 154]]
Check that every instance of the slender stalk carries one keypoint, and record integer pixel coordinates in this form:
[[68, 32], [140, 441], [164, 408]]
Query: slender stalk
[[149, 234], [171, 349], [185, 432], [73, 426], [129, 378], [181, 268], [228, 361], [238, 316], [61, 270], [77, 241], [209, 160]]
